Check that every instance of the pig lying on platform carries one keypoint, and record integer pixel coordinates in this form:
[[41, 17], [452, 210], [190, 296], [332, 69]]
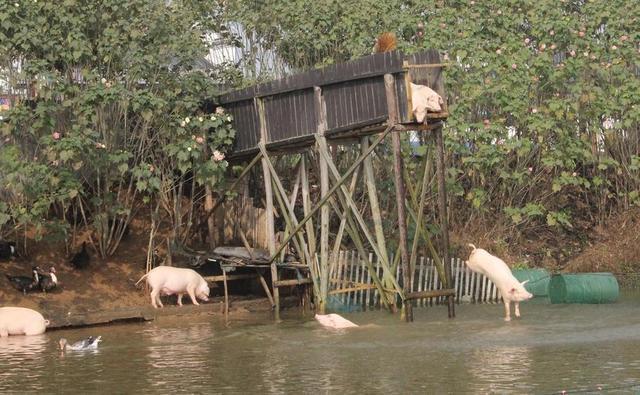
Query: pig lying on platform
[[21, 321], [167, 280], [334, 321], [480, 261]]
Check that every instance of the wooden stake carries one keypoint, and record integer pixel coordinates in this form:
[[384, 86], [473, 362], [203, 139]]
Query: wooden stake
[[271, 237], [390, 90], [332, 190], [442, 210], [321, 116]]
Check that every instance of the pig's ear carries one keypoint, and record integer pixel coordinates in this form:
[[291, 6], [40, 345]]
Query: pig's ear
[[524, 282]]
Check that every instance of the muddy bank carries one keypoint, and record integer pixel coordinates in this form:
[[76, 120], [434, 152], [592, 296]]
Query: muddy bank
[[238, 309]]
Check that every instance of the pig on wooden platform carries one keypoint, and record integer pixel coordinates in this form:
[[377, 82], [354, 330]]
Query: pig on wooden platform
[[480, 261], [21, 321], [167, 280]]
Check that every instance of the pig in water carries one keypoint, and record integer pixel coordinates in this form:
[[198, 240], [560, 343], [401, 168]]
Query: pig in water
[[167, 280], [480, 261], [21, 321], [334, 321]]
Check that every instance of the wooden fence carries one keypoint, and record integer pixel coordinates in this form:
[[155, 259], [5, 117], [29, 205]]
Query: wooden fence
[[351, 285]]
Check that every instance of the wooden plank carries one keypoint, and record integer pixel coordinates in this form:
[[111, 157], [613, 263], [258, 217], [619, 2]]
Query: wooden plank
[[431, 294], [290, 283], [230, 277], [421, 279], [358, 287]]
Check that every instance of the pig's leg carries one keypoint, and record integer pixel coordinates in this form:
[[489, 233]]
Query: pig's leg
[[517, 304], [155, 298], [507, 313], [4, 332], [179, 299], [192, 295]]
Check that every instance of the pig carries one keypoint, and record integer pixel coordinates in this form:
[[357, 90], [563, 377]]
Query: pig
[[167, 280], [480, 261], [21, 321], [334, 321], [424, 99]]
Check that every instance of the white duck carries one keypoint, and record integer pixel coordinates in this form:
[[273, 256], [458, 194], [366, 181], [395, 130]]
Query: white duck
[[90, 343]]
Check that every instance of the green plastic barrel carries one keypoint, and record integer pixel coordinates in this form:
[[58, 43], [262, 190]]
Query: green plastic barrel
[[538, 284], [583, 288]]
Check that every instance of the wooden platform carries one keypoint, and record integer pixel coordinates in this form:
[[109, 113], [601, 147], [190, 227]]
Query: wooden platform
[[353, 97]]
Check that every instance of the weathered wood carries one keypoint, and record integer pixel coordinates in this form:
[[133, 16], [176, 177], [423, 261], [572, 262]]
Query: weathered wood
[[370, 181], [265, 286], [359, 287], [269, 219], [321, 116], [431, 294], [392, 106], [226, 294], [442, 211], [331, 191], [230, 277], [289, 283], [346, 200]]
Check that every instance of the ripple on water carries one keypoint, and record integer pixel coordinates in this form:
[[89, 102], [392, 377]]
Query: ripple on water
[[550, 349]]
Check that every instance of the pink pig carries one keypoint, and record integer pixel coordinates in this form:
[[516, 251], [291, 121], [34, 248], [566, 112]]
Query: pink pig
[[334, 321], [480, 261], [167, 280], [21, 321]]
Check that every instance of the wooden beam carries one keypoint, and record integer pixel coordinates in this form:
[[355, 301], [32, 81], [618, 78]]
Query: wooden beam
[[392, 107], [442, 213], [290, 283], [346, 201], [266, 288], [321, 128], [431, 294], [230, 277], [271, 237], [331, 191]]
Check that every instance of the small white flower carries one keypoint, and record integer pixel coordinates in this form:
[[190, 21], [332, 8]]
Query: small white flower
[[213, 117], [614, 47], [103, 80], [183, 124], [228, 118], [574, 174], [534, 110], [187, 120], [200, 119], [217, 156], [189, 149], [608, 123], [16, 4]]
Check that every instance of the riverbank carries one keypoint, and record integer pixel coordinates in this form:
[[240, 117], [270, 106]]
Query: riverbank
[[240, 308]]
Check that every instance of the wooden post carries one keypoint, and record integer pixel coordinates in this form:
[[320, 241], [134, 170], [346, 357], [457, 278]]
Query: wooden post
[[442, 211], [392, 106], [339, 183], [321, 116], [271, 234]]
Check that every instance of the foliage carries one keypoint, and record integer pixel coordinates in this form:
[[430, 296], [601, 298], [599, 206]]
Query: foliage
[[544, 96], [114, 113]]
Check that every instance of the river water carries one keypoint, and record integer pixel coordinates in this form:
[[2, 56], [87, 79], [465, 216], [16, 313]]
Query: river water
[[550, 349]]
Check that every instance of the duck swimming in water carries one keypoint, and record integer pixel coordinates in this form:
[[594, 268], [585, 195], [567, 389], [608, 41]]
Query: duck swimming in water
[[90, 343]]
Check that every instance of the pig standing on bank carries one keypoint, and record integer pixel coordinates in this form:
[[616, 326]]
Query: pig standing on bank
[[21, 321], [480, 261], [167, 280]]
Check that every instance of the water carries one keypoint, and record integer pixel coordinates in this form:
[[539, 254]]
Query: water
[[552, 348]]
